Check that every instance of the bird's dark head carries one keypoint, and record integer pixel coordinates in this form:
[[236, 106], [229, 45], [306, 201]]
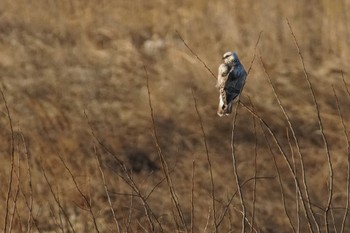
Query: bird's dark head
[[231, 58]]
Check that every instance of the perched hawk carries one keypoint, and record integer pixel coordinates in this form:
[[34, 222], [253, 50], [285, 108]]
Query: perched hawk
[[230, 82]]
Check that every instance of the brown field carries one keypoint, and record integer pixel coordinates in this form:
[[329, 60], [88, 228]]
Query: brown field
[[78, 148]]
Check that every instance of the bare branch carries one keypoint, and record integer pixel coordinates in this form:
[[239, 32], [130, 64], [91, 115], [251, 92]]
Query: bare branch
[[192, 197], [163, 161], [208, 161], [296, 143], [106, 190], [55, 197], [235, 170], [348, 158], [12, 154], [86, 199], [194, 54]]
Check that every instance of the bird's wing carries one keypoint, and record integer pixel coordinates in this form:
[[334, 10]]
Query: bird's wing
[[222, 76], [235, 82]]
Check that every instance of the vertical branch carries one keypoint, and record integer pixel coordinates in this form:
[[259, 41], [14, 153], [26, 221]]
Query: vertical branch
[[330, 167], [130, 212], [106, 189], [296, 188], [255, 173], [30, 204], [192, 197], [14, 207], [232, 139], [55, 197], [278, 175], [12, 154], [208, 160], [345, 84], [348, 158], [278, 144], [235, 170], [87, 202], [297, 145], [163, 161]]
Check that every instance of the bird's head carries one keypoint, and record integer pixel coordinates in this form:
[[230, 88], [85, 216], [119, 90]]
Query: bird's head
[[231, 58]]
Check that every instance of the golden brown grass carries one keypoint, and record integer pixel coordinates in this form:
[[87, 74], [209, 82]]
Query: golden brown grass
[[82, 152]]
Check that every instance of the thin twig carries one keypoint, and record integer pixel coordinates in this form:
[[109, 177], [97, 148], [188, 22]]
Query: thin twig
[[296, 191], [55, 197], [280, 182], [255, 173], [106, 190], [207, 223], [194, 54], [30, 204], [345, 84], [284, 157], [192, 196], [163, 161], [235, 170], [128, 179], [208, 161], [12, 154], [226, 209], [330, 167], [348, 158], [246, 219], [86, 199], [254, 55], [14, 202], [296, 143], [333, 220], [130, 213], [53, 216]]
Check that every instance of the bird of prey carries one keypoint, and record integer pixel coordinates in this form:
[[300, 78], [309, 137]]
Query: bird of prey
[[231, 79]]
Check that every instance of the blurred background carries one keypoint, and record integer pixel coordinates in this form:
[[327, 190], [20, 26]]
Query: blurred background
[[61, 58]]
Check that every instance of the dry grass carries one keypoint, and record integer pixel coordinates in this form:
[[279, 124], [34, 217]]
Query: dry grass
[[82, 153]]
